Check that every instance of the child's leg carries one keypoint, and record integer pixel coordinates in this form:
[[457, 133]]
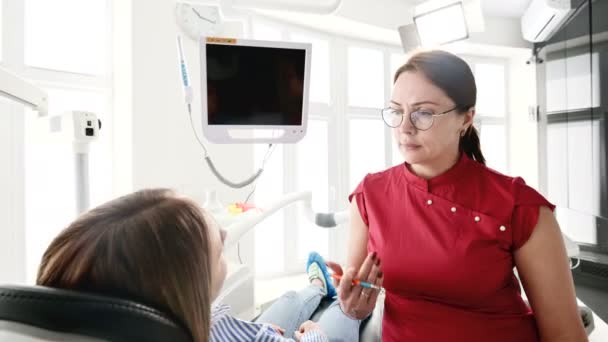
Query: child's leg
[[337, 326], [292, 309]]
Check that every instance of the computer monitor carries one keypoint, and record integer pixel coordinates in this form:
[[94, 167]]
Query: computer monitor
[[254, 86]]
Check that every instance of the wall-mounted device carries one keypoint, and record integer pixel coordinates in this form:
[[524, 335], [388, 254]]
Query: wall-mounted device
[[81, 128], [252, 85], [198, 20], [542, 18]]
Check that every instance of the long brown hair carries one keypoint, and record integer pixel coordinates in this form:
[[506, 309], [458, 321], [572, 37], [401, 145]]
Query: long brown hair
[[454, 76], [150, 245]]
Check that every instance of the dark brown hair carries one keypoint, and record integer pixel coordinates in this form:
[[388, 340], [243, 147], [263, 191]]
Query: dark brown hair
[[454, 76], [150, 246]]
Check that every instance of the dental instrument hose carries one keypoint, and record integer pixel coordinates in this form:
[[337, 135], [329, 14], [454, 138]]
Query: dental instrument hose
[[188, 98]]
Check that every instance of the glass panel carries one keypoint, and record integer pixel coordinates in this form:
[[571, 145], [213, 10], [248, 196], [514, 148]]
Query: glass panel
[[494, 146], [50, 170], [269, 234], [581, 92], [491, 89], [365, 77], [320, 69], [397, 60], [578, 226], [312, 175], [555, 83], [580, 162], [396, 156], [67, 35], [366, 149], [557, 163]]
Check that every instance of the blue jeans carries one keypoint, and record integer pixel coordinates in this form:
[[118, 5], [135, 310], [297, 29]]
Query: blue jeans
[[294, 308]]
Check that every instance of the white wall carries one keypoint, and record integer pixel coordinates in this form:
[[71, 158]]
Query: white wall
[[500, 31], [151, 114], [523, 133], [122, 49], [12, 167], [12, 189]]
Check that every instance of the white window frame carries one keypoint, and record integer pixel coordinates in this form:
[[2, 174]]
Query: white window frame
[[505, 120], [338, 113]]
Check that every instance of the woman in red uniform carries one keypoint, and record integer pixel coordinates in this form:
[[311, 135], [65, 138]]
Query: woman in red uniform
[[443, 232]]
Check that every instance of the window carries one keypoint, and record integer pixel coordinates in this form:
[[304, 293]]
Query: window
[[347, 138], [319, 83], [494, 145], [367, 149], [491, 111], [365, 77], [50, 170], [396, 157], [491, 85], [557, 159], [66, 50], [67, 35], [397, 60], [312, 175], [269, 234]]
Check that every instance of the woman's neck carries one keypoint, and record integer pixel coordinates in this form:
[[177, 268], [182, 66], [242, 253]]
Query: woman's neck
[[435, 167]]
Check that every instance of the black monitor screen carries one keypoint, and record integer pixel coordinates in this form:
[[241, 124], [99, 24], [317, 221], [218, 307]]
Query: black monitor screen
[[254, 85]]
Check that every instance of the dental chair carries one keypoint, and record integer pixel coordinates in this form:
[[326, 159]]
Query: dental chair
[[37, 314], [41, 314]]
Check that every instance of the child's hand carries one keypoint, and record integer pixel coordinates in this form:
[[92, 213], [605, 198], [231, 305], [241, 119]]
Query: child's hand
[[278, 329], [306, 327]]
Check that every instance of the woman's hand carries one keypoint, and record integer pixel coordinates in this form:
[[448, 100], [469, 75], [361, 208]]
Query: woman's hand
[[355, 301], [306, 327]]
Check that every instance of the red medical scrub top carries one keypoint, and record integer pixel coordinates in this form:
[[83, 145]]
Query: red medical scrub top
[[446, 246]]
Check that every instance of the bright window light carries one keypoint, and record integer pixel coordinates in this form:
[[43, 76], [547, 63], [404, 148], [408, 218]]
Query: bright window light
[[443, 25], [67, 35]]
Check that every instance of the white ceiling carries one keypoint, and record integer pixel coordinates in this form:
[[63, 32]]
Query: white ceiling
[[504, 8], [378, 20], [494, 8]]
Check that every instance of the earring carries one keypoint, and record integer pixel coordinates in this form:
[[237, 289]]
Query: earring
[[462, 133]]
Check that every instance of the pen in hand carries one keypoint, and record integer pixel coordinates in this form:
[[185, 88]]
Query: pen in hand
[[359, 282]]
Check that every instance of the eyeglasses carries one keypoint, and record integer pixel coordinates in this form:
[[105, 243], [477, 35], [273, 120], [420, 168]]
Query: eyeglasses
[[422, 119]]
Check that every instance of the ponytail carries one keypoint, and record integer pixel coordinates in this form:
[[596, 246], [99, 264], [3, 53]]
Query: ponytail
[[469, 144]]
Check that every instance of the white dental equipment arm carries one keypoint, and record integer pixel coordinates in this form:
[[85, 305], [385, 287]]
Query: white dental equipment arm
[[22, 91], [80, 127], [237, 230]]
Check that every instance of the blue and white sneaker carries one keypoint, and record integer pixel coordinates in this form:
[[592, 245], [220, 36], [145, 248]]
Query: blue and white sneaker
[[316, 269]]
